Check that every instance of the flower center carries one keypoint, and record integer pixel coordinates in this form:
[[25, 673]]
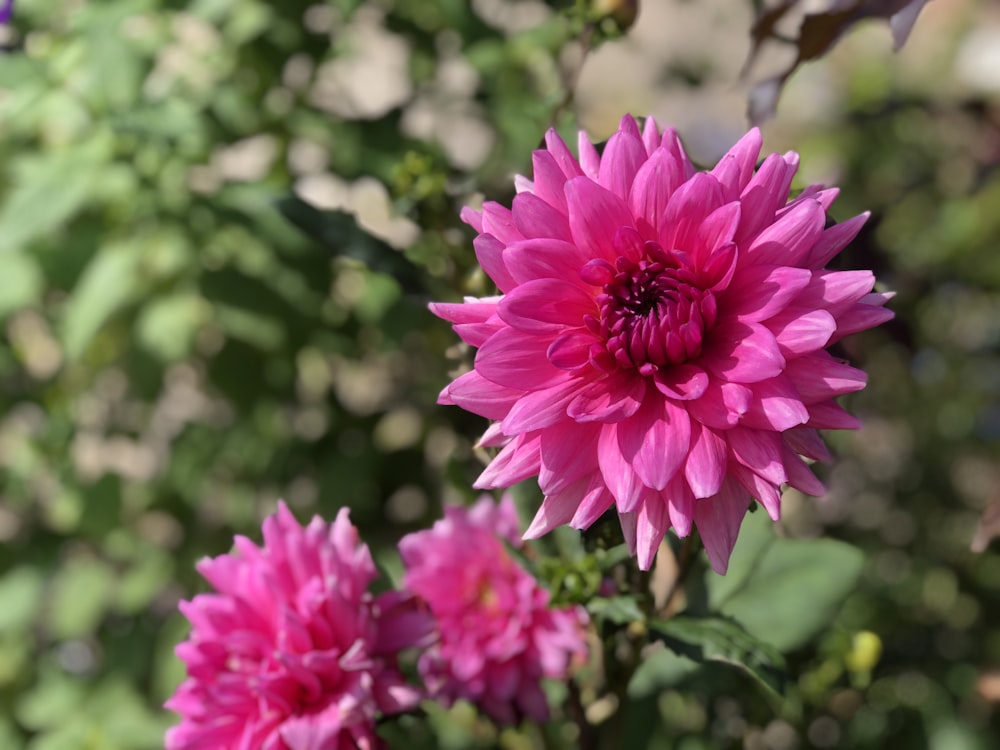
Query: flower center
[[653, 314]]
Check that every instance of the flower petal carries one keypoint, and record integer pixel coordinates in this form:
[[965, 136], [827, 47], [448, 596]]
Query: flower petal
[[611, 399], [742, 352], [718, 520], [595, 216], [652, 526], [776, 405], [623, 155], [789, 239], [567, 455], [475, 393], [544, 258], [758, 292], [759, 451], [705, 467], [655, 440], [519, 459], [536, 218], [515, 359], [617, 470], [545, 305]]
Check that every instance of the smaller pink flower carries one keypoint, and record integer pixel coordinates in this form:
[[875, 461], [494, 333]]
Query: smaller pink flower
[[498, 637], [292, 652]]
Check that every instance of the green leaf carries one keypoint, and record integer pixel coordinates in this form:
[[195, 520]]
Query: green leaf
[[794, 590], [725, 641], [21, 282], [756, 534], [167, 325], [621, 610], [660, 670], [50, 190], [20, 597], [80, 597], [339, 231], [108, 282]]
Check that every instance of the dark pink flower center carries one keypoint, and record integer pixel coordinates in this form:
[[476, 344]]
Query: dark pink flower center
[[653, 313]]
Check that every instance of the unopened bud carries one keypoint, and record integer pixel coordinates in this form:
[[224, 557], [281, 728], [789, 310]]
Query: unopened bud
[[622, 12]]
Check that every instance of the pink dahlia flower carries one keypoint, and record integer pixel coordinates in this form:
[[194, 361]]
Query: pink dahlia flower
[[293, 652], [658, 344], [497, 635]]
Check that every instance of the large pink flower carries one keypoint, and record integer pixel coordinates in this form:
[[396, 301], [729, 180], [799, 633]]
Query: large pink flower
[[658, 345], [293, 652], [497, 635]]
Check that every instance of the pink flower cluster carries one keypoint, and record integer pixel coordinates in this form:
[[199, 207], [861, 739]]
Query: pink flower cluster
[[292, 652], [497, 635], [658, 345]]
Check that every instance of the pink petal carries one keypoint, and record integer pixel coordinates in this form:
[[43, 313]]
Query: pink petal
[[682, 382], [623, 155], [830, 416], [716, 231], [705, 467], [519, 459], [541, 409], [471, 311], [652, 187], [593, 505], [544, 258], [758, 292], [776, 405], [590, 160], [836, 291], [489, 253], [799, 332], [671, 143], [571, 351], [687, 208], [741, 352], [563, 156], [545, 305], [474, 393], [651, 525], [655, 440], [567, 455], [807, 442], [617, 471], [860, 318], [516, 359], [556, 510], [735, 168], [536, 218], [800, 476], [789, 239], [628, 523], [833, 240], [818, 377], [718, 520], [722, 405], [759, 451], [766, 191], [680, 505], [499, 222], [595, 217], [473, 218], [763, 491], [650, 135], [611, 399], [549, 179]]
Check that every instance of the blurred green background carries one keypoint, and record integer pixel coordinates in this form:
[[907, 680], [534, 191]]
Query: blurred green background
[[220, 223]]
